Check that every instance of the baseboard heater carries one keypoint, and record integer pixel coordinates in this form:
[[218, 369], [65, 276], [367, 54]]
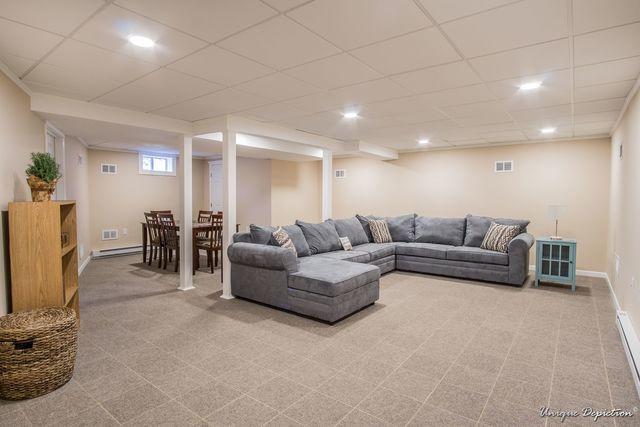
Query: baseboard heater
[[631, 345], [116, 251]]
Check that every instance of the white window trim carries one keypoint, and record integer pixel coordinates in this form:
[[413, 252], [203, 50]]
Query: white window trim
[[495, 166], [174, 158]]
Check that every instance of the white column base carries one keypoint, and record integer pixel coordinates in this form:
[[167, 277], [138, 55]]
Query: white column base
[[224, 296]]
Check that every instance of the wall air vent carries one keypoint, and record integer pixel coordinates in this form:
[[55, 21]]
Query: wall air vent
[[340, 173], [108, 168], [109, 234], [503, 166]]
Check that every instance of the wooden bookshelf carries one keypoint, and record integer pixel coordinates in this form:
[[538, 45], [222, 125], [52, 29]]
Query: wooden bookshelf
[[44, 265]]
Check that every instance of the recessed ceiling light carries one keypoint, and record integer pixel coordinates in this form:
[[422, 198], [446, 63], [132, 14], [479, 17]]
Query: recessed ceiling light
[[547, 130], [141, 41], [350, 115], [530, 85], [423, 141]]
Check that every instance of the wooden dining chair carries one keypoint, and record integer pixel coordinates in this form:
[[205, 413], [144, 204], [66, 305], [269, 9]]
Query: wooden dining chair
[[155, 237], [212, 245], [170, 238], [204, 217], [168, 211]]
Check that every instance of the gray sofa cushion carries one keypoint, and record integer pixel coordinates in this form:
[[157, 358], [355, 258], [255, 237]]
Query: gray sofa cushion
[[364, 221], [351, 228], [402, 228], [353, 256], [443, 231], [331, 278], [477, 227], [425, 250], [321, 237], [263, 256], [262, 235], [377, 250], [483, 256]]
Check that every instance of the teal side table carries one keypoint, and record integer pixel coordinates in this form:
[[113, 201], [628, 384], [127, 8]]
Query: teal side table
[[556, 261]]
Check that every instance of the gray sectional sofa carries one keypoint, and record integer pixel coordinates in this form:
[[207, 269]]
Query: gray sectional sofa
[[328, 283]]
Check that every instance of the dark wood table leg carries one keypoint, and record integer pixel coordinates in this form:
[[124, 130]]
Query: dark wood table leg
[[144, 243]]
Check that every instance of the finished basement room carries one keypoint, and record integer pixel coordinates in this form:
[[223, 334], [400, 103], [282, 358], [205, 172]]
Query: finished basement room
[[319, 212]]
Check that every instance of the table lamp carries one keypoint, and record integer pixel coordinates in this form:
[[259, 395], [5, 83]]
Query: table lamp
[[555, 212]]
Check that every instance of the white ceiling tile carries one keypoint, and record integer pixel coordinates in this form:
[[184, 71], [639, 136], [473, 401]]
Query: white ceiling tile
[[525, 61], [555, 90], [225, 101], [363, 93], [220, 66], [95, 61], [284, 5], [437, 78], [480, 142], [415, 131], [590, 129], [335, 71], [422, 116], [404, 144], [605, 91], [561, 132], [606, 116], [278, 87], [17, 64], [447, 10], [279, 43], [607, 72], [589, 15], [111, 28], [504, 136], [70, 82], [60, 16], [276, 112], [598, 106], [25, 42], [607, 45], [396, 106], [208, 19], [541, 123], [420, 49], [484, 118], [458, 96], [542, 113], [515, 25], [354, 23], [316, 102], [158, 89]]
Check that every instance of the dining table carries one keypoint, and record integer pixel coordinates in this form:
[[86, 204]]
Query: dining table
[[197, 227]]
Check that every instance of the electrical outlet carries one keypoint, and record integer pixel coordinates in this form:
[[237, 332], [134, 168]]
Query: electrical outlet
[[125, 231]]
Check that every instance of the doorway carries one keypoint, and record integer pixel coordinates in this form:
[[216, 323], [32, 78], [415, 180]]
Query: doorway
[[54, 145], [215, 185]]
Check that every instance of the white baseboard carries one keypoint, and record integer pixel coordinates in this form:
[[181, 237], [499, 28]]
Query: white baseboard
[[116, 251], [631, 346], [83, 265]]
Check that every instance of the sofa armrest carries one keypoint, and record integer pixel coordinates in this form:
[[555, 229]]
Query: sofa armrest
[[263, 256], [244, 237], [518, 251]]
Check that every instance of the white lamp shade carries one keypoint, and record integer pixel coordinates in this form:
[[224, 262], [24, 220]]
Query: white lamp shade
[[555, 212]]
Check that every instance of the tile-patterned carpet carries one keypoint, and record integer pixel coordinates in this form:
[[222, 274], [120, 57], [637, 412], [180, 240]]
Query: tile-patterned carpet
[[431, 351]]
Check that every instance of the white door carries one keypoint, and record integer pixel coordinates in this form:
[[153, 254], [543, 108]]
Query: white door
[[55, 146], [215, 185]]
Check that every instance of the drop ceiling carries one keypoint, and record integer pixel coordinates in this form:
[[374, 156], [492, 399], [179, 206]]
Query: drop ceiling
[[446, 70]]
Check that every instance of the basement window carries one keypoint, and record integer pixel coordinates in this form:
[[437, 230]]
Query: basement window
[[157, 164]]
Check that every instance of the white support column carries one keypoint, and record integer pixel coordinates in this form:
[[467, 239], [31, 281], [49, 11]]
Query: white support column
[[327, 182], [229, 203], [186, 217]]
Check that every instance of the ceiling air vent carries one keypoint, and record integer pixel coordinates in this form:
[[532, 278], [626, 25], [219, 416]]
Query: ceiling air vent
[[504, 166], [109, 234], [340, 173], [108, 168]]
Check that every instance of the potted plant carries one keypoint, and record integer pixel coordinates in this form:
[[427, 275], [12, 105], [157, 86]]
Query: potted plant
[[42, 176]]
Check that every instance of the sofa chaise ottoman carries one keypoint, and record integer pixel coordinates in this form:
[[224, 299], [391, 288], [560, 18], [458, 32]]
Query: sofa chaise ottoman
[[323, 281]]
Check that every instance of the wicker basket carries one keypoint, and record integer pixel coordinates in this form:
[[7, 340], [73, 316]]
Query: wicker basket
[[37, 351]]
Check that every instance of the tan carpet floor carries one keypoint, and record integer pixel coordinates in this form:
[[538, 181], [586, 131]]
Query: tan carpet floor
[[431, 351]]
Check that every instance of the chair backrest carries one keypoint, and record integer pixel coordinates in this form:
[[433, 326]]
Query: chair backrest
[[216, 219], [168, 211], [204, 216], [169, 229], [153, 226]]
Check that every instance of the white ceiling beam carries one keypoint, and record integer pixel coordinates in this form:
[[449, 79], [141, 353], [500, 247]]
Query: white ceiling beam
[[271, 144], [50, 104], [366, 149]]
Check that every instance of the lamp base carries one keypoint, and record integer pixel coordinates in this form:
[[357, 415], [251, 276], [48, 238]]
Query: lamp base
[[555, 237]]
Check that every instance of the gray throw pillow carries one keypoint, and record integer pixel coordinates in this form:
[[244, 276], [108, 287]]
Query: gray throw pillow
[[402, 228], [321, 237], [351, 228], [263, 235], [364, 221], [477, 227], [443, 231]]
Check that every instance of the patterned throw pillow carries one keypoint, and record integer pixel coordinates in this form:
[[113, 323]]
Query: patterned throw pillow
[[346, 244], [283, 239], [498, 237], [380, 231]]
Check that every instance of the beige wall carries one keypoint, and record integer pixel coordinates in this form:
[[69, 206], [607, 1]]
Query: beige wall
[[296, 191], [21, 132], [77, 188], [119, 201], [624, 230], [457, 182], [253, 192]]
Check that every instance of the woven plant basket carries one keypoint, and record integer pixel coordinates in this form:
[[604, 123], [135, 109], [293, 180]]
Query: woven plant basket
[[37, 351]]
